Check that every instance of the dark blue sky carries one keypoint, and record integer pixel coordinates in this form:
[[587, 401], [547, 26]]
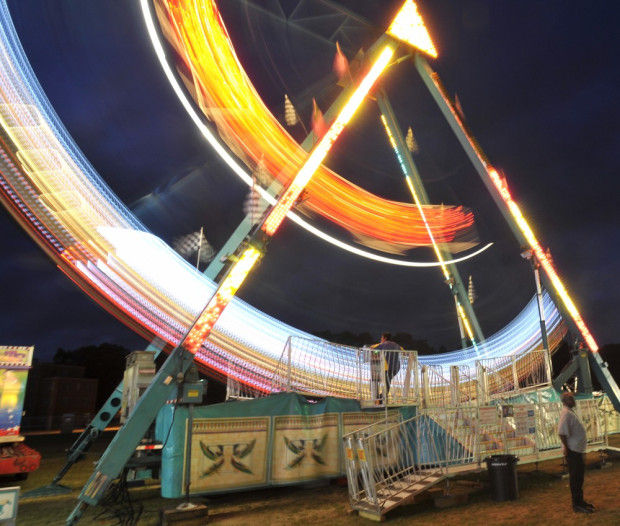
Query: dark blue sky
[[538, 82]]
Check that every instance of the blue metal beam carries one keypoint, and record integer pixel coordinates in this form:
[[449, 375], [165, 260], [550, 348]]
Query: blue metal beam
[[163, 388], [409, 166], [607, 381]]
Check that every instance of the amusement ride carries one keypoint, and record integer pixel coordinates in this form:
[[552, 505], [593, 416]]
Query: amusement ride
[[56, 195]]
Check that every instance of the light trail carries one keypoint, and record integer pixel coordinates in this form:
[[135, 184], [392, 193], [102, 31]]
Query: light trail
[[132, 273], [319, 152], [544, 261], [250, 255], [499, 183], [227, 98], [247, 178]]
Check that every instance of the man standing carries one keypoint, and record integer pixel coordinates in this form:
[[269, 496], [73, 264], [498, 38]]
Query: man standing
[[573, 436], [392, 359]]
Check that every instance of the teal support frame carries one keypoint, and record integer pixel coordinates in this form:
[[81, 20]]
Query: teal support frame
[[165, 382], [478, 159], [607, 381], [163, 388], [101, 420], [456, 287], [231, 246], [578, 366], [475, 154]]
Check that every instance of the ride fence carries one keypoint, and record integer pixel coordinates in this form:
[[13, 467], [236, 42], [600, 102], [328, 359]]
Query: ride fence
[[233, 370], [314, 367], [611, 417], [394, 458], [384, 377], [506, 376], [446, 386], [458, 427], [375, 377], [593, 420]]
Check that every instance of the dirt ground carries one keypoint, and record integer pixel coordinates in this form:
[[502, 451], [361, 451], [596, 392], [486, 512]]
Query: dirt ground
[[544, 498]]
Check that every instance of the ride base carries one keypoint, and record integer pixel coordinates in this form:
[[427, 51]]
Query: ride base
[[390, 456], [391, 463]]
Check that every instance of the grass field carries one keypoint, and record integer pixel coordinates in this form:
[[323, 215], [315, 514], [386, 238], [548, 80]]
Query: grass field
[[544, 498]]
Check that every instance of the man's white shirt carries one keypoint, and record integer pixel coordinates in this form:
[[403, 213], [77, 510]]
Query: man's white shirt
[[570, 426]]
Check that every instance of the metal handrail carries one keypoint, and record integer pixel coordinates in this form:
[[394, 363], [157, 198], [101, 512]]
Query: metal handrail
[[391, 459], [385, 460], [320, 368]]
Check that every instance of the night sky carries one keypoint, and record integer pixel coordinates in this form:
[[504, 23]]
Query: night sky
[[538, 83]]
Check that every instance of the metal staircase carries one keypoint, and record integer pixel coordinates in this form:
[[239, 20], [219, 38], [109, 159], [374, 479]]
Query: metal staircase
[[390, 462]]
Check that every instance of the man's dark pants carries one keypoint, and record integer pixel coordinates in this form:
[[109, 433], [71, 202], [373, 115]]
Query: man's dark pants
[[576, 471]]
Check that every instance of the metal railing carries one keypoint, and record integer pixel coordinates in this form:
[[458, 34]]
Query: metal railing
[[386, 377], [467, 381], [238, 390], [392, 459], [611, 417], [317, 367], [459, 424], [533, 370], [441, 389], [509, 375], [593, 420], [375, 377], [386, 460]]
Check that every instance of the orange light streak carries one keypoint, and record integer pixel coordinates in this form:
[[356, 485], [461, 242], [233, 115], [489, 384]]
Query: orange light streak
[[250, 256], [211, 70], [319, 152]]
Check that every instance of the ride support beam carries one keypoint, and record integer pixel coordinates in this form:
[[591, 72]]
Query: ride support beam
[[172, 373], [473, 151], [609, 385], [498, 189], [163, 388], [101, 420], [408, 165]]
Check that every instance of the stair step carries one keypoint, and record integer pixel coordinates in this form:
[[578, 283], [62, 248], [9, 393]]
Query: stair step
[[412, 479], [403, 488], [389, 504], [398, 491]]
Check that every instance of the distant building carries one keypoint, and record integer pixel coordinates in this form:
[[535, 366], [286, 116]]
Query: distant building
[[58, 392]]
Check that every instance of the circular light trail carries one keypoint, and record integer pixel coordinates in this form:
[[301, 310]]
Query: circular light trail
[[236, 168], [51, 189]]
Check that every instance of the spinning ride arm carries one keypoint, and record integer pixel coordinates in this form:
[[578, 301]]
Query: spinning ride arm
[[165, 382]]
